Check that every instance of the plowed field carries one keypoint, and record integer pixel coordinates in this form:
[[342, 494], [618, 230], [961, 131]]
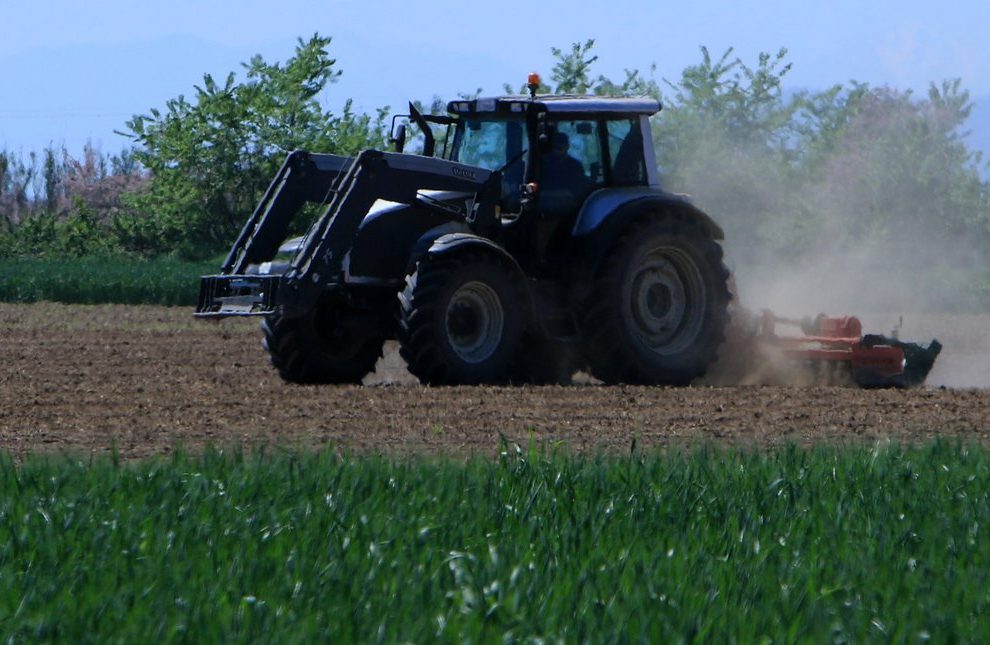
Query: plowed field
[[150, 379]]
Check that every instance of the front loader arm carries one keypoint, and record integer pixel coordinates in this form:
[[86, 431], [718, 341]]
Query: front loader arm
[[349, 188], [389, 176], [303, 177]]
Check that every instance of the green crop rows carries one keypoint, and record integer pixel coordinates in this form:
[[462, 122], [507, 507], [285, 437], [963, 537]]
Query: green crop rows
[[882, 544], [98, 280]]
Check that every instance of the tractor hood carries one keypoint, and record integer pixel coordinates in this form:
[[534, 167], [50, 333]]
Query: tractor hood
[[291, 246]]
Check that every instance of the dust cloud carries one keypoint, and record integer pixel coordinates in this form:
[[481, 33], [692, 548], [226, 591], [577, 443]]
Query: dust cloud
[[875, 232], [888, 292]]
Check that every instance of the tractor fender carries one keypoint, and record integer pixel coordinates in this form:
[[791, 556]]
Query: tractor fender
[[456, 242], [605, 205], [607, 213], [424, 243], [450, 243]]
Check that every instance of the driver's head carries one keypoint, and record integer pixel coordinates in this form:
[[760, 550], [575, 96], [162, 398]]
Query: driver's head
[[561, 143]]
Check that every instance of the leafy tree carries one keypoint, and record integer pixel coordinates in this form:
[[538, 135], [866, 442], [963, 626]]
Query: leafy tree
[[211, 157], [572, 75], [19, 176], [897, 169], [52, 179], [724, 136], [572, 72]]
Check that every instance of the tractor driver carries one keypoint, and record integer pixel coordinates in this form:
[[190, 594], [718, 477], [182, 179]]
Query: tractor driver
[[562, 178]]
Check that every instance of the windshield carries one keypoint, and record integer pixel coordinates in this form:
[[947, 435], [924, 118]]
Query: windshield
[[488, 144], [492, 145]]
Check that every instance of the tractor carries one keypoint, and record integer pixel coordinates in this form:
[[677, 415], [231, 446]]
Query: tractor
[[530, 239]]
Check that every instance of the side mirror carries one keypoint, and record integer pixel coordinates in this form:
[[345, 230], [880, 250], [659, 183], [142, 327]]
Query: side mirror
[[399, 138]]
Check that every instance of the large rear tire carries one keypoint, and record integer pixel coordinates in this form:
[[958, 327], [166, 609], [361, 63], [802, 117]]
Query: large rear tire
[[461, 320], [659, 305], [321, 346]]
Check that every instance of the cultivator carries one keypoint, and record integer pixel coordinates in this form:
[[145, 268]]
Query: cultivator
[[838, 346]]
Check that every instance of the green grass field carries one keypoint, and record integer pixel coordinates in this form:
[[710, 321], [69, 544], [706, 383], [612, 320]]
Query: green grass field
[[817, 545], [162, 281]]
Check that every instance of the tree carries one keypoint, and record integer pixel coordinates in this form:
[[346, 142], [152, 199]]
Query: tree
[[725, 137], [572, 71], [897, 169], [211, 157]]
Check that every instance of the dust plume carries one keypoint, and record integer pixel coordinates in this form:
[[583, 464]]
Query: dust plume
[[889, 222]]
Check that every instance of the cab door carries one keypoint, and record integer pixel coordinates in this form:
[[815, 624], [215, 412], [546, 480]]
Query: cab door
[[570, 166]]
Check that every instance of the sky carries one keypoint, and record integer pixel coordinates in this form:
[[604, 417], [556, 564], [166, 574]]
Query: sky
[[75, 71]]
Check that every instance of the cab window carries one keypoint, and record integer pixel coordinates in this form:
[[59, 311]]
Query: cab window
[[493, 145], [583, 145], [625, 148], [570, 166], [489, 144]]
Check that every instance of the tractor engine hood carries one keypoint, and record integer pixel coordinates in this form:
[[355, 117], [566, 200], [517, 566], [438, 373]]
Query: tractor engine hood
[[290, 247]]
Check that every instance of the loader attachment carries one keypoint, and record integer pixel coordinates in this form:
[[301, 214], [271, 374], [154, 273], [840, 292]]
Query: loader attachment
[[349, 188], [303, 177], [237, 291], [237, 295], [873, 360]]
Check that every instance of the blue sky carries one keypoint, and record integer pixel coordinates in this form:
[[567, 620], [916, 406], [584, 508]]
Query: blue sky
[[76, 70]]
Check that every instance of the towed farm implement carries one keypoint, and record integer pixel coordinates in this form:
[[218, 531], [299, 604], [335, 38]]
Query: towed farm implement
[[837, 347]]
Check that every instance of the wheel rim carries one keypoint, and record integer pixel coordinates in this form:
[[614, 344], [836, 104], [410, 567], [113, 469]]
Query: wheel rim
[[474, 322], [666, 300]]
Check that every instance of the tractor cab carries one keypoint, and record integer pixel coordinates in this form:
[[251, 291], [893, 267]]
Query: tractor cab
[[555, 150], [556, 154]]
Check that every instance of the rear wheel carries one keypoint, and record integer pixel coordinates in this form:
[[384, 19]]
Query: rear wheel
[[461, 319], [658, 309], [325, 345]]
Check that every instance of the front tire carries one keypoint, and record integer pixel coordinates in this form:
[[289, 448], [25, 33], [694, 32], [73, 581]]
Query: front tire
[[659, 305], [461, 319], [321, 346]]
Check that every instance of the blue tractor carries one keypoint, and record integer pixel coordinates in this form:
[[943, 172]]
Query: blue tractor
[[533, 242]]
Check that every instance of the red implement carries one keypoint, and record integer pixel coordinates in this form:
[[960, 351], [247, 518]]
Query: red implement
[[873, 360]]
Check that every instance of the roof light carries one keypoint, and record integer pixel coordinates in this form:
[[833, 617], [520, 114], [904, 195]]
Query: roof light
[[533, 81]]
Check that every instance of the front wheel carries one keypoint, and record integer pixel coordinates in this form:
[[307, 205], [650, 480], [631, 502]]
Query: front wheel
[[659, 305], [461, 320], [325, 345]]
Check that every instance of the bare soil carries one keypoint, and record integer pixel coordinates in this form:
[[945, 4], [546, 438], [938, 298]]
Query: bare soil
[[148, 380]]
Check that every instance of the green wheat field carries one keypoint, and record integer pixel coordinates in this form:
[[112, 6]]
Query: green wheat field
[[162, 281], [827, 544]]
